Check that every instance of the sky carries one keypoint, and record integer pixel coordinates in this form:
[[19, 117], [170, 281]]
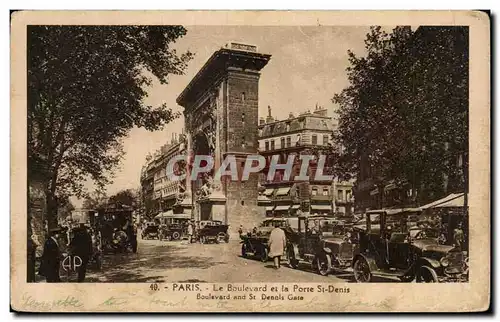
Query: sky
[[307, 67]]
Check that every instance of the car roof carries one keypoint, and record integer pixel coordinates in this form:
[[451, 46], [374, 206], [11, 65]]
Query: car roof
[[394, 211]]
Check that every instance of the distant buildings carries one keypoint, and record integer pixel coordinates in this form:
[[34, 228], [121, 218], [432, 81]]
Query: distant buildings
[[159, 193], [307, 133]]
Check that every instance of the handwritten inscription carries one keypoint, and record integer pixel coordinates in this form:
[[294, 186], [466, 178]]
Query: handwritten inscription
[[226, 297], [30, 302]]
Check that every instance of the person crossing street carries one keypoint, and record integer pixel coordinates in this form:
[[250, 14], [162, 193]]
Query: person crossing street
[[277, 242]]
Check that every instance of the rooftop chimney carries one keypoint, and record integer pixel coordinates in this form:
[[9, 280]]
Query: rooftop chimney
[[291, 116], [269, 118], [321, 111], [262, 121]]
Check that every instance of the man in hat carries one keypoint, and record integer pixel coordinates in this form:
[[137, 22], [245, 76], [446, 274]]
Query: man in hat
[[81, 246], [51, 257]]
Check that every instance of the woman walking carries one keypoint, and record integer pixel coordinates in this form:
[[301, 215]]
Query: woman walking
[[277, 242]]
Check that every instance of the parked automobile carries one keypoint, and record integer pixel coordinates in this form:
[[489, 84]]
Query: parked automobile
[[150, 231], [324, 242], [213, 231], [171, 231], [255, 243], [395, 247]]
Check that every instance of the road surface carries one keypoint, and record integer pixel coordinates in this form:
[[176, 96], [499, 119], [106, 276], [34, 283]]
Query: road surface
[[178, 261]]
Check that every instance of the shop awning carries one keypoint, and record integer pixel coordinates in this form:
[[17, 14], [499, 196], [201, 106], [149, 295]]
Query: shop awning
[[168, 213], [181, 216], [321, 207], [283, 191], [269, 208], [295, 207], [454, 200], [268, 192], [286, 207]]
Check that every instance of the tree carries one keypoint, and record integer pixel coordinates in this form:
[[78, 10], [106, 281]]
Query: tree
[[86, 86], [64, 208], [403, 116], [95, 200], [126, 197]]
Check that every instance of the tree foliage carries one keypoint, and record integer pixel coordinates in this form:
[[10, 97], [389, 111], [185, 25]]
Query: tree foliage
[[95, 200], [126, 197], [403, 116], [86, 86]]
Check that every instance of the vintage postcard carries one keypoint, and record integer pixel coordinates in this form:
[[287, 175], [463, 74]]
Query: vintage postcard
[[239, 161]]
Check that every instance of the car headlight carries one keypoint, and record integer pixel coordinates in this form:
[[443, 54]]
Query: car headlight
[[444, 262]]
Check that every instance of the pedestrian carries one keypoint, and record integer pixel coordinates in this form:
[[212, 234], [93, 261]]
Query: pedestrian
[[132, 236], [277, 242], [190, 232], [51, 257], [240, 230], [81, 246], [458, 236]]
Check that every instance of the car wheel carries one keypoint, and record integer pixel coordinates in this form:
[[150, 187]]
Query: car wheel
[[324, 264], [176, 235], [264, 255], [290, 256], [426, 275], [362, 272], [221, 237], [244, 250]]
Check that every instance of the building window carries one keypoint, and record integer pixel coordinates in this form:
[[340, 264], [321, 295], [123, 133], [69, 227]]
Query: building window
[[325, 192], [348, 195], [267, 145], [297, 143], [340, 195], [288, 127], [288, 141], [314, 191], [282, 143], [243, 142], [325, 139], [243, 118], [243, 96], [272, 145], [314, 139]]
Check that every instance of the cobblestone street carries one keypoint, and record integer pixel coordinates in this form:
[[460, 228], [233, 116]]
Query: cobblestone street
[[174, 261]]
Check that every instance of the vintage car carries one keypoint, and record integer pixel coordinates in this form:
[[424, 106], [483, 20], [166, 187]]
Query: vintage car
[[323, 241], [114, 224], [172, 226], [255, 243], [393, 248], [171, 231], [213, 231], [150, 231]]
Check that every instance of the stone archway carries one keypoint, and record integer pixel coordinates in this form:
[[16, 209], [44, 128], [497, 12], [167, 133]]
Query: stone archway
[[221, 118]]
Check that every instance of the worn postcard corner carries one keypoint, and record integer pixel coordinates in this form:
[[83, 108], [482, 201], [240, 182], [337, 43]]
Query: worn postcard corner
[[211, 161]]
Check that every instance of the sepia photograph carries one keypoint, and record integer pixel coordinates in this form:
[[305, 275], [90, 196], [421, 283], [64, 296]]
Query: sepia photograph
[[206, 158]]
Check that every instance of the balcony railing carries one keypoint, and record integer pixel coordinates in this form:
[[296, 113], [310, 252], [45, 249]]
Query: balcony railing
[[321, 197]]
